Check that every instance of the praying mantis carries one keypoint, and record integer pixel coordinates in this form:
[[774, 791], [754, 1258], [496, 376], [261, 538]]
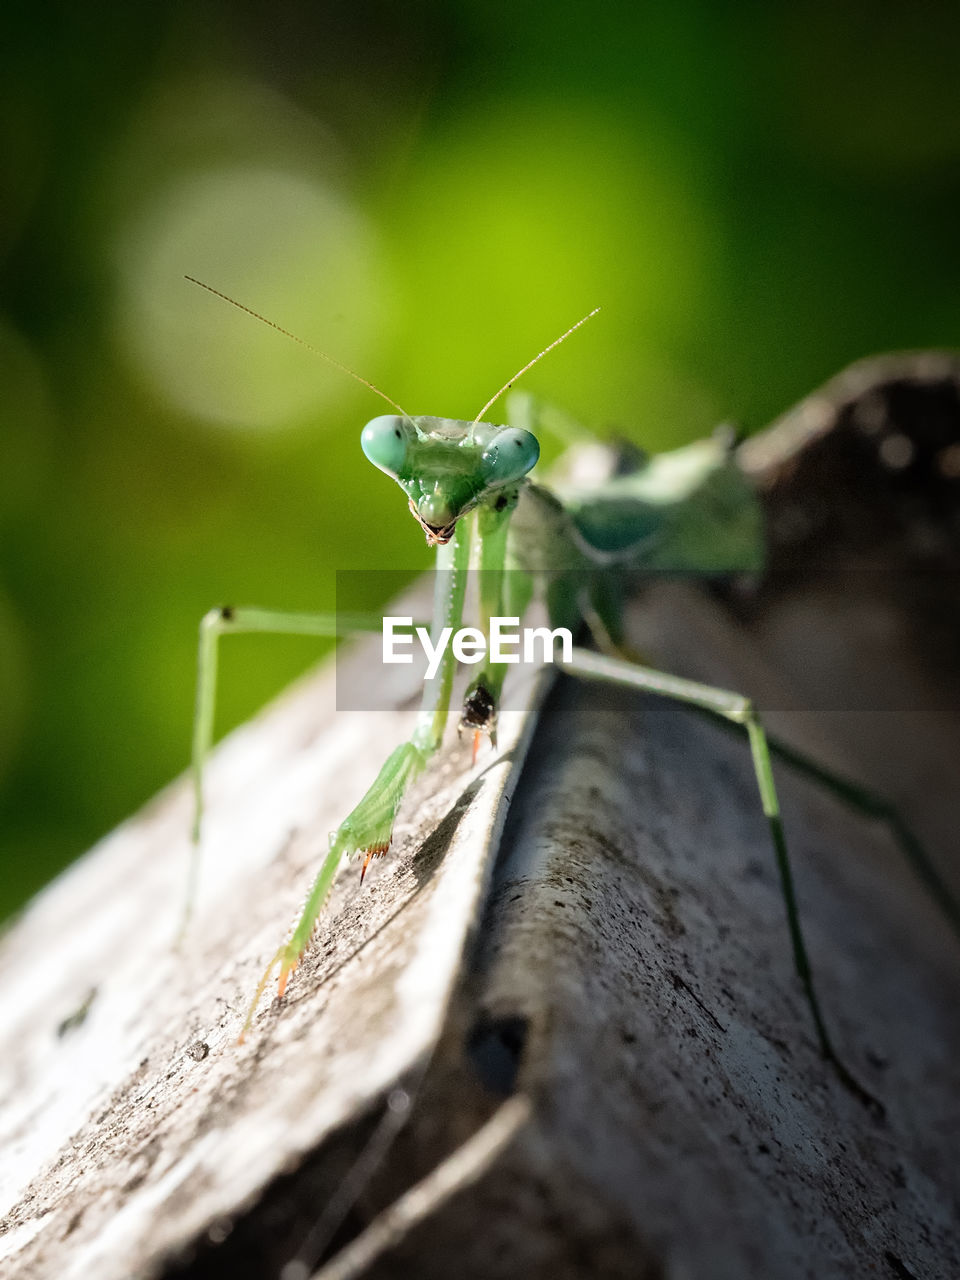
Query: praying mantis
[[468, 485]]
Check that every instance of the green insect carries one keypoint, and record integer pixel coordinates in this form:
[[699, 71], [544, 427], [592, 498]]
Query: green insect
[[690, 510]]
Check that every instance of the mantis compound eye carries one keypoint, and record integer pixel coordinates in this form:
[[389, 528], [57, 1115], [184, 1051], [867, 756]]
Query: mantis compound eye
[[509, 455], [384, 441]]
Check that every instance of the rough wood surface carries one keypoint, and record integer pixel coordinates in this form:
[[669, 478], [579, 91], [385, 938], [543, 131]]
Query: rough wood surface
[[125, 1137], [588, 1055]]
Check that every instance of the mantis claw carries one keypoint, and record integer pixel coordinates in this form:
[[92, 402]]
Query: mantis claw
[[366, 863], [285, 971], [373, 851], [288, 961], [490, 733]]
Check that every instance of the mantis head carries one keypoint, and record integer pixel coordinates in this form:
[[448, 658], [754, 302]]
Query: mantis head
[[446, 467]]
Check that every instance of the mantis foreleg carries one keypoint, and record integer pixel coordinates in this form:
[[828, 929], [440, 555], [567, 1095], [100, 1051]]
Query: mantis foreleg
[[369, 827], [482, 698]]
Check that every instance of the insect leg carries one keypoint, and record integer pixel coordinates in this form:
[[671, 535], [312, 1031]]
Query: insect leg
[[224, 621], [369, 827], [871, 804], [739, 710], [497, 599]]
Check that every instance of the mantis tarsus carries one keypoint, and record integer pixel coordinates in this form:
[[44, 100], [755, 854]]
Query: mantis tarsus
[[690, 510]]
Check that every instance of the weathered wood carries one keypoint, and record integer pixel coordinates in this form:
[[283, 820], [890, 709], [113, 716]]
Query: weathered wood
[[125, 1137], [598, 1055]]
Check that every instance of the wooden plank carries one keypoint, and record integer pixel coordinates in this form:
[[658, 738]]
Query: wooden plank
[[125, 1137], [614, 1072]]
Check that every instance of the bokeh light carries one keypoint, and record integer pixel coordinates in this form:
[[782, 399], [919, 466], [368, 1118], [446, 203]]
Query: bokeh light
[[754, 195], [287, 246]]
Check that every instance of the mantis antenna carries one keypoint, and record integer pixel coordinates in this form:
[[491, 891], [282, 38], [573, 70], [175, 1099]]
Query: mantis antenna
[[316, 350], [529, 365]]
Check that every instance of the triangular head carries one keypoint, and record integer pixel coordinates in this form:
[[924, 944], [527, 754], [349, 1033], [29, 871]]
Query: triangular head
[[447, 467]]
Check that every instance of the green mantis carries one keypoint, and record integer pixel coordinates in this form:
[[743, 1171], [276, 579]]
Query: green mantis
[[467, 485]]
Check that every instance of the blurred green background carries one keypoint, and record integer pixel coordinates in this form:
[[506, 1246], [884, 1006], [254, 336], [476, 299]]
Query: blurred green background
[[755, 194]]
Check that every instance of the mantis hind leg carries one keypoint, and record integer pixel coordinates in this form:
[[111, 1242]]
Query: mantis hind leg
[[738, 710], [872, 805]]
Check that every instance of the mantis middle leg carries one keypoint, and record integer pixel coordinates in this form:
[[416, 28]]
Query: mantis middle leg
[[229, 621]]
